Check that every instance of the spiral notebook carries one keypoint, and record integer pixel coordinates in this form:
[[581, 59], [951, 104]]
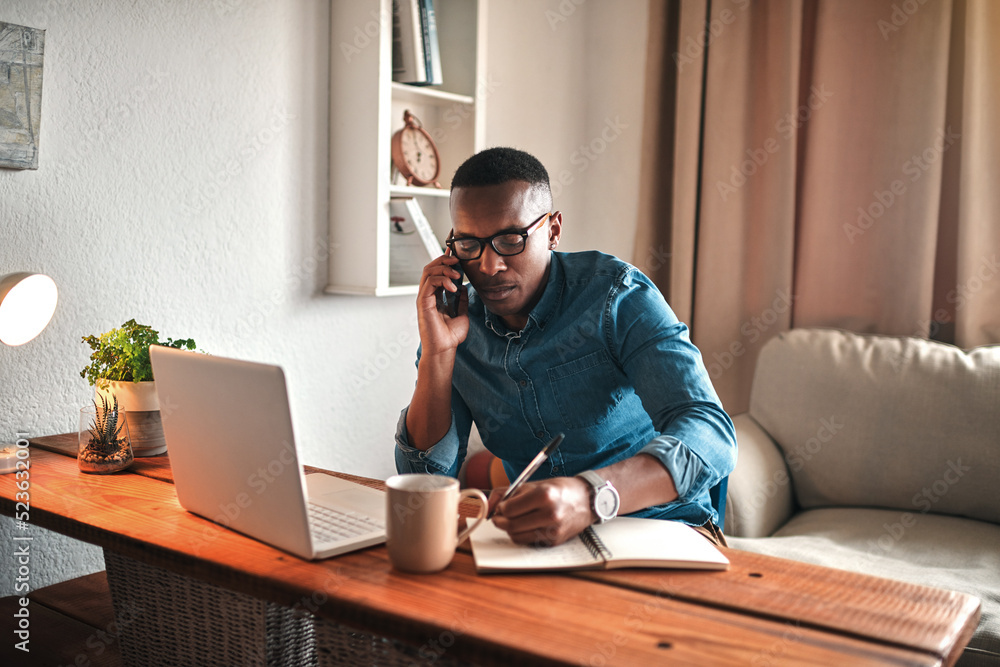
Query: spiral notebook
[[621, 542]]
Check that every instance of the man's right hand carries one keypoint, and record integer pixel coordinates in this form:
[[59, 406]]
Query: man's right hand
[[429, 416], [440, 333]]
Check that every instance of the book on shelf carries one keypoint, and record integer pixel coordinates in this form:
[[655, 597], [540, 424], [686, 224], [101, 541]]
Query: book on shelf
[[408, 61], [412, 243], [432, 51], [619, 543]]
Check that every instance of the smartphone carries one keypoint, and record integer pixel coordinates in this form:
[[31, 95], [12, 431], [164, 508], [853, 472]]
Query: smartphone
[[449, 300]]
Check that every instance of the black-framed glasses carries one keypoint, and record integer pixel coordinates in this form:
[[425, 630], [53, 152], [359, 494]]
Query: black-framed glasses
[[504, 243]]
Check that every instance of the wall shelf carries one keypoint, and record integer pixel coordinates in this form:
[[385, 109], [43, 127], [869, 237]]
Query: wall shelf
[[407, 93], [413, 191], [366, 108]]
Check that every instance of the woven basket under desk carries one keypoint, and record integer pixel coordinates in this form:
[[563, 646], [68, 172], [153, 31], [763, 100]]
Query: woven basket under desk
[[163, 618], [337, 645]]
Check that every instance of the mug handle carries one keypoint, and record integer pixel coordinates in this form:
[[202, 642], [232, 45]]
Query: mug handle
[[481, 497]]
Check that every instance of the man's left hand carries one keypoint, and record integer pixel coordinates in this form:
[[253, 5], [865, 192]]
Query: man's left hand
[[547, 512]]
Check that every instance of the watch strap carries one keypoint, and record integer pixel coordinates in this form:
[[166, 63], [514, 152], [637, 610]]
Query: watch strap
[[593, 478]]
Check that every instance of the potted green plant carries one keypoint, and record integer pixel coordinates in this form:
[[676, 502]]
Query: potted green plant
[[104, 442], [120, 368]]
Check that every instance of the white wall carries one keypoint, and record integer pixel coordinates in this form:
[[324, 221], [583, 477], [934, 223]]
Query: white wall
[[182, 182], [567, 86]]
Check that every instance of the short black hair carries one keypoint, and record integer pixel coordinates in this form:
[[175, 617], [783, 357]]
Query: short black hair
[[494, 166]]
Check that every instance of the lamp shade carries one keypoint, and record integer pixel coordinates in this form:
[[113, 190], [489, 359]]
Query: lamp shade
[[27, 301]]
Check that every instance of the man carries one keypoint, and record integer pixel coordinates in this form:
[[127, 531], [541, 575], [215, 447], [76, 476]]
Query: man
[[545, 342]]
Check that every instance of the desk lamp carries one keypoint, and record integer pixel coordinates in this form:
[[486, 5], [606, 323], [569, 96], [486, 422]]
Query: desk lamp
[[27, 301]]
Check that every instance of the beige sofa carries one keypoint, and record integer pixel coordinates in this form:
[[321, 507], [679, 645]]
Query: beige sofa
[[876, 454]]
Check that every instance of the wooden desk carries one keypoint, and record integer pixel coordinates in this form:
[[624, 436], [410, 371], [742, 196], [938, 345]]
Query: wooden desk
[[762, 611]]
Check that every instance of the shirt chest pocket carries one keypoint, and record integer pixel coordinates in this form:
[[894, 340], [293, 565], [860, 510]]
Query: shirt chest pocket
[[586, 389]]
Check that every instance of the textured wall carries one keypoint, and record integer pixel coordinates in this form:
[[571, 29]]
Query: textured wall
[[182, 182]]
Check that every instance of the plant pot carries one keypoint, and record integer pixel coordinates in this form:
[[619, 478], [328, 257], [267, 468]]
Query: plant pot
[[142, 412], [111, 454]]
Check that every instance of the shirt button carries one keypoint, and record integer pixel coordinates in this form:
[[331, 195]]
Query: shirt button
[[555, 468], [524, 383], [540, 434]]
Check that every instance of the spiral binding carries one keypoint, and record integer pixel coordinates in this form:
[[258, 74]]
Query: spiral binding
[[594, 545]]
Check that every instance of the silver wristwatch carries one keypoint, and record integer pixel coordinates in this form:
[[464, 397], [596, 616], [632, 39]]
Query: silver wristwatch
[[604, 498]]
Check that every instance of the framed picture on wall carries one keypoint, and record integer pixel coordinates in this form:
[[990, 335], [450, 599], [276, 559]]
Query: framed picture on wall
[[21, 54]]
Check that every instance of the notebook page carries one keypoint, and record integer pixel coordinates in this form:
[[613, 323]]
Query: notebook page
[[494, 550], [654, 543]]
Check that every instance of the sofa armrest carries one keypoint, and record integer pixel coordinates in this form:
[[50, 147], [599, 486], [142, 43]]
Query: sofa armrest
[[760, 499]]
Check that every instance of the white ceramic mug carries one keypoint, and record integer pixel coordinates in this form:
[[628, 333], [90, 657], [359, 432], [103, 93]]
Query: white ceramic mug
[[422, 520]]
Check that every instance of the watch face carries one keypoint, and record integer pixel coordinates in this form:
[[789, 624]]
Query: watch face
[[418, 152], [606, 503]]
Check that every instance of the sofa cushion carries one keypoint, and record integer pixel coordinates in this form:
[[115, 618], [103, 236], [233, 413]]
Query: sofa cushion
[[879, 421], [760, 498], [946, 552]]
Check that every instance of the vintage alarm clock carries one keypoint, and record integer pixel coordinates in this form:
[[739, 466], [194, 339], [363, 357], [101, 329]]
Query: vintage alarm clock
[[414, 153]]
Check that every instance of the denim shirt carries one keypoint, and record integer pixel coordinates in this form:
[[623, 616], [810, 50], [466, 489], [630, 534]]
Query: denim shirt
[[602, 359]]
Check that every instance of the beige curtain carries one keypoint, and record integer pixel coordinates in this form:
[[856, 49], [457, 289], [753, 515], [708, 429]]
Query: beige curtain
[[822, 163]]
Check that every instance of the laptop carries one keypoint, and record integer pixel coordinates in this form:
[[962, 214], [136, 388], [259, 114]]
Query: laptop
[[228, 430]]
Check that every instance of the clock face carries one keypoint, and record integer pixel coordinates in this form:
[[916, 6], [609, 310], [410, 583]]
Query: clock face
[[419, 155]]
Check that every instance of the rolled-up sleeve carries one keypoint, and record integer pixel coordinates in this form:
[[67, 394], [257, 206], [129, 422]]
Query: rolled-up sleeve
[[445, 457], [696, 440], [441, 458]]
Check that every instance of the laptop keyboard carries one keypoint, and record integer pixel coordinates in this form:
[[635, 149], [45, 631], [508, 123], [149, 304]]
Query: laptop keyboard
[[329, 525]]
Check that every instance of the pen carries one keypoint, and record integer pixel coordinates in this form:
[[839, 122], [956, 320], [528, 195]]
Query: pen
[[535, 464]]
